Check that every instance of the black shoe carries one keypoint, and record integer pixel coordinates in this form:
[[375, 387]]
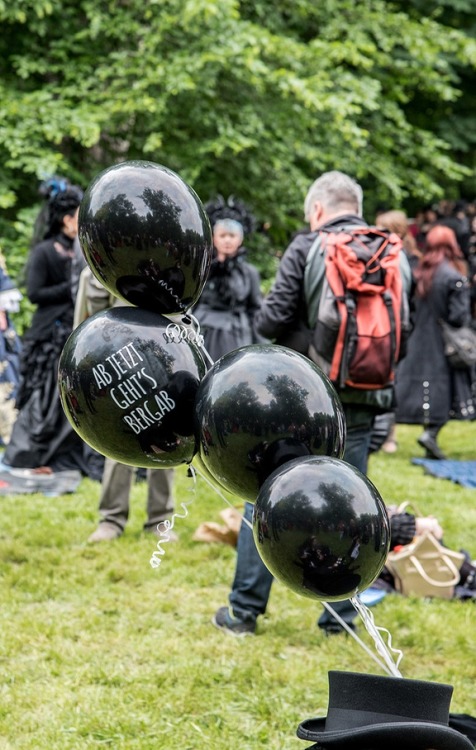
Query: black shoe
[[141, 475], [431, 446], [223, 620], [338, 629]]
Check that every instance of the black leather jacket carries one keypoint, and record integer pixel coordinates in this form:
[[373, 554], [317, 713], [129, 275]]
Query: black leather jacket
[[283, 316]]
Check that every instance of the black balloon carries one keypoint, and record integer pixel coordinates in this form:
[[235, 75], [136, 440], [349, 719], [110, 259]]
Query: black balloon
[[321, 528], [260, 406], [128, 384], [146, 236]]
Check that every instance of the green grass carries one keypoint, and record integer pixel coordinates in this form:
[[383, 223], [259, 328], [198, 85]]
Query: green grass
[[97, 649]]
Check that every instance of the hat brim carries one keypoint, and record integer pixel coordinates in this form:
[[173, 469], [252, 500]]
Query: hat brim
[[415, 735]]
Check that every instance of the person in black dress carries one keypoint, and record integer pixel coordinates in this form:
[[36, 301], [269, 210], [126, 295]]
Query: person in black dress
[[41, 436], [232, 294], [429, 391]]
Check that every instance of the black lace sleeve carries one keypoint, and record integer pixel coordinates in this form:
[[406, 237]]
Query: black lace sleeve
[[402, 529]]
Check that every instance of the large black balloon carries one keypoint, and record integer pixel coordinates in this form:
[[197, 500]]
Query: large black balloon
[[321, 528], [260, 406], [146, 236], [128, 383]]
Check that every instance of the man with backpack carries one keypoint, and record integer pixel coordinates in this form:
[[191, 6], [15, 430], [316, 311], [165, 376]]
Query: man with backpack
[[306, 298], [333, 208]]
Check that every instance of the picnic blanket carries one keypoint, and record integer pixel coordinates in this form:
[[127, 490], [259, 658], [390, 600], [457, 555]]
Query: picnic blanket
[[460, 472], [26, 481]]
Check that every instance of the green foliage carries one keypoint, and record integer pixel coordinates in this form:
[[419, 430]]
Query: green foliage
[[244, 98], [97, 649]]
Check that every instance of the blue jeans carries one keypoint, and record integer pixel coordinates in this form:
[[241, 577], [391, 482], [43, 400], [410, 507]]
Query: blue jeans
[[359, 424], [252, 583]]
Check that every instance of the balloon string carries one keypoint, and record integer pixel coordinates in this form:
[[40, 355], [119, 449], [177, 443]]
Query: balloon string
[[243, 519], [165, 527], [387, 665], [199, 337], [382, 648], [354, 635]]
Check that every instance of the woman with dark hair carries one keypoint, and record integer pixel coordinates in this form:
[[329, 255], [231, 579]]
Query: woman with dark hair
[[428, 390], [42, 436]]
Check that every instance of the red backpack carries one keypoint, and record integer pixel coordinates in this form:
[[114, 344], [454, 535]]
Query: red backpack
[[357, 335]]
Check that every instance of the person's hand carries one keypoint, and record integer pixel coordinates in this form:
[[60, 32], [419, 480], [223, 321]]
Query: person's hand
[[3, 320], [429, 524]]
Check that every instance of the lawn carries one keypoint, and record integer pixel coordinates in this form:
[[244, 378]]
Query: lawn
[[98, 649]]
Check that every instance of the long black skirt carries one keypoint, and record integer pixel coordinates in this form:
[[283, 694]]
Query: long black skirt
[[42, 435]]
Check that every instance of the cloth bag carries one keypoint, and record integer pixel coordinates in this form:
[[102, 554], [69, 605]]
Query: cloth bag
[[425, 568], [460, 345], [209, 531]]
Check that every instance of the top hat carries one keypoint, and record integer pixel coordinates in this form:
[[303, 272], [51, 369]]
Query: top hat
[[372, 712]]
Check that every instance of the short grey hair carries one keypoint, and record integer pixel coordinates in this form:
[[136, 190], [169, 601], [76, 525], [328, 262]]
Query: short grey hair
[[336, 191], [230, 225]]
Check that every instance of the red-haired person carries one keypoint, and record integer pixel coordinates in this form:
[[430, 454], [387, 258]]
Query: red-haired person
[[428, 390]]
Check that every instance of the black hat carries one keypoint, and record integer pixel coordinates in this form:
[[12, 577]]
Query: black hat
[[372, 712], [218, 209]]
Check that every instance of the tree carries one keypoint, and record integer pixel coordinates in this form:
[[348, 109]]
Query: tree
[[251, 98]]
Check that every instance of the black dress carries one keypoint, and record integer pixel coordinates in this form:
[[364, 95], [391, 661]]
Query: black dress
[[227, 305], [428, 390], [41, 435]]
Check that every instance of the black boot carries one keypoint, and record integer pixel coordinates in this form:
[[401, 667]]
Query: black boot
[[427, 440]]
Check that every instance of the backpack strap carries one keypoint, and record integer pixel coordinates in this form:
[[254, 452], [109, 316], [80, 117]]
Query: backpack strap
[[315, 270], [346, 307], [387, 298], [313, 277]]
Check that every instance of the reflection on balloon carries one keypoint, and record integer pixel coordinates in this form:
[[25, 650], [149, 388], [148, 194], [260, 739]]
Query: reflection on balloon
[[146, 236], [128, 384], [321, 528], [259, 407]]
